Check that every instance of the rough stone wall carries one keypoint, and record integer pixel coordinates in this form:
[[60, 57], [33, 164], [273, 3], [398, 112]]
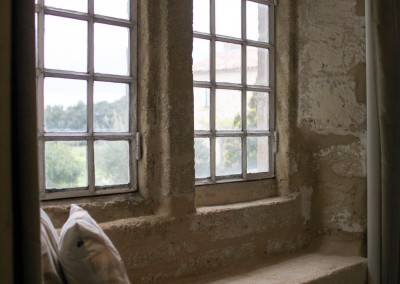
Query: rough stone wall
[[331, 112], [165, 114]]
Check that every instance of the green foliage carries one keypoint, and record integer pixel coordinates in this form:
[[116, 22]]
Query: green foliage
[[202, 157], [64, 167], [111, 160], [231, 152], [107, 116], [232, 156], [111, 116], [66, 163], [73, 118]]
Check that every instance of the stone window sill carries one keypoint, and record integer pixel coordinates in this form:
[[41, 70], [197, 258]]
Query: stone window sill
[[235, 192], [103, 208]]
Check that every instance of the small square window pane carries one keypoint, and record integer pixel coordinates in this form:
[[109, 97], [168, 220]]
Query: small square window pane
[[257, 66], [228, 18], [201, 59], [202, 157], [74, 5], [201, 16], [116, 8], [228, 155], [111, 107], [201, 108], [111, 161], [228, 62], [65, 105], [257, 22], [65, 44], [111, 49], [257, 154], [257, 111], [228, 110], [66, 164]]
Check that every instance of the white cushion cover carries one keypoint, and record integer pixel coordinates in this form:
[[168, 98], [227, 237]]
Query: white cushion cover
[[86, 253], [51, 270]]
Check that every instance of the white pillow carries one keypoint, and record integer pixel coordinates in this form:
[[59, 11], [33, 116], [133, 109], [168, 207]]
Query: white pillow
[[51, 270], [86, 253]]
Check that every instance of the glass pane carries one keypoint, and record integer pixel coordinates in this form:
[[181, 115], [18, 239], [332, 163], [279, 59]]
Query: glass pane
[[111, 49], [228, 155], [201, 108], [257, 66], [116, 8], [111, 161], [65, 105], [228, 62], [111, 107], [228, 110], [66, 164], [201, 59], [65, 44], [75, 5], [201, 16], [257, 154], [202, 157], [257, 22], [257, 111], [228, 18]]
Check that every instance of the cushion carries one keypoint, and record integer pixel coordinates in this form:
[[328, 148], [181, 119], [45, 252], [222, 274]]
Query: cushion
[[86, 253], [51, 270]]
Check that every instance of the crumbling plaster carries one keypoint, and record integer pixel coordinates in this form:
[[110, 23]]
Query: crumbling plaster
[[331, 113]]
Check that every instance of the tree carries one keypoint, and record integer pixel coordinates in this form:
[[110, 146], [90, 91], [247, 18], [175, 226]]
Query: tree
[[232, 157], [66, 163], [111, 162], [63, 166]]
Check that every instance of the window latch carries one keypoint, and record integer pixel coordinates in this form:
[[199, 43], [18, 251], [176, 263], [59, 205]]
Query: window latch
[[138, 148]]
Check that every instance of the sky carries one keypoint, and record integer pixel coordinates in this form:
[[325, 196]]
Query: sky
[[66, 41]]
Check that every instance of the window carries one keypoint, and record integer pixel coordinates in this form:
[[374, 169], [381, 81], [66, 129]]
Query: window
[[86, 96], [233, 73]]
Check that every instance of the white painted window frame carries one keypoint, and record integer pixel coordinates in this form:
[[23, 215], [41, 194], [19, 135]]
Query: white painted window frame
[[212, 134], [90, 136]]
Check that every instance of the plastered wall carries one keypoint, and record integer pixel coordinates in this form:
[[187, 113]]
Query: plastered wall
[[331, 113]]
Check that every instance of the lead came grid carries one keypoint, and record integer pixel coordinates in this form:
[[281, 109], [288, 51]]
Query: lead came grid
[[102, 94], [233, 73]]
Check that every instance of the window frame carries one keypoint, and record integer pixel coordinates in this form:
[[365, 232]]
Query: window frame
[[212, 85], [132, 137]]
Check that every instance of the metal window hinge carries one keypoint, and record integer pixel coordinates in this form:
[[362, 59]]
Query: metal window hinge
[[138, 148], [276, 139]]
